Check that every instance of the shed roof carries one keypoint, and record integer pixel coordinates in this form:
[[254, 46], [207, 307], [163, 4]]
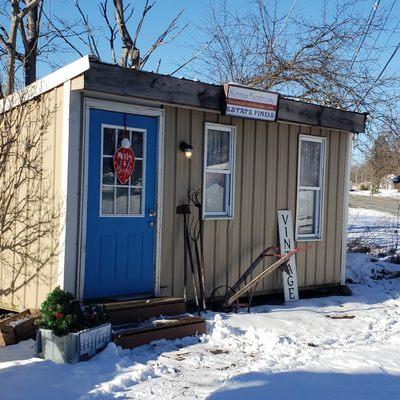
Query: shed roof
[[113, 79]]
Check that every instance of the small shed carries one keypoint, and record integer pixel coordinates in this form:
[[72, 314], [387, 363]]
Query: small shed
[[117, 233]]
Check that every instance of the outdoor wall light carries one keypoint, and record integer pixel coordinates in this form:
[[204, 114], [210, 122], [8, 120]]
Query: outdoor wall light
[[187, 149]]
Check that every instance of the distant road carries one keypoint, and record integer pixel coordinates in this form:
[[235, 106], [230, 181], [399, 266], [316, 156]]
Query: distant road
[[384, 204]]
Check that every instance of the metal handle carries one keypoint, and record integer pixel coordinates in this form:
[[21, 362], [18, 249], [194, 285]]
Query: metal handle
[[152, 213]]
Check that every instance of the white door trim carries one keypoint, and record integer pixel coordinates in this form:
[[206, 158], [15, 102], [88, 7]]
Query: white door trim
[[90, 103]]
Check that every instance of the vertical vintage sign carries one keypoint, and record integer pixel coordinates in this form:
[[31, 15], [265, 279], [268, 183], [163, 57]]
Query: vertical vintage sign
[[286, 240]]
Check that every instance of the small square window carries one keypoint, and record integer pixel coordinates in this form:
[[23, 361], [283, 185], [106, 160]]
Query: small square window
[[219, 171]]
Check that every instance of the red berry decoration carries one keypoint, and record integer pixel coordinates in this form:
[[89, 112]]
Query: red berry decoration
[[58, 315]]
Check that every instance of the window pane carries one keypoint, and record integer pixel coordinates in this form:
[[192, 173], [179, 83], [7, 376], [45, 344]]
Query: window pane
[[108, 141], [121, 201], [137, 143], [310, 162], [216, 187], [136, 201], [307, 211], [217, 149], [108, 171], [107, 200], [136, 177]]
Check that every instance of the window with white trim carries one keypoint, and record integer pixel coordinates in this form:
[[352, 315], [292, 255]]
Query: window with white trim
[[116, 198], [219, 151], [310, 187]]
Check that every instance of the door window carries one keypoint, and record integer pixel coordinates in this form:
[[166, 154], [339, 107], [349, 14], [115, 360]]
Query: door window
[[118, 198]]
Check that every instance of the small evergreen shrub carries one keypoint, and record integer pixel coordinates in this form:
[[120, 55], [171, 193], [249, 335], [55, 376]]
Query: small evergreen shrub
[[62, 313], [374, 190]]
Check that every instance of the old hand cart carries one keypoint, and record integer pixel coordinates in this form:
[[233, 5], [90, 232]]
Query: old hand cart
[[226, 298]]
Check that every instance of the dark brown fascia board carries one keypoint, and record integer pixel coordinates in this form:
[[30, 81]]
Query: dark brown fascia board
[[112, 79]]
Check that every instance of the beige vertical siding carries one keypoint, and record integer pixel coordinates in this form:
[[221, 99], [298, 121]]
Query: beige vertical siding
[[265, 181], [25, 281]]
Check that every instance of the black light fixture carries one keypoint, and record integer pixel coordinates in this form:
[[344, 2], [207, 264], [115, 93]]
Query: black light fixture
[[187, 149]]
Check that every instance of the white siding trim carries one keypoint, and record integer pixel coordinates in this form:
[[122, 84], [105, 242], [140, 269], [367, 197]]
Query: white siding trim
[[56, 78], [346, 208], [64, 181]]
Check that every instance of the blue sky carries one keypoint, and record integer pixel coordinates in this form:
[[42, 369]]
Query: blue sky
[[195, 11]]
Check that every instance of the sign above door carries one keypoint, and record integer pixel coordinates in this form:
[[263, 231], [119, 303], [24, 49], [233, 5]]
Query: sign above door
[[245, 102]]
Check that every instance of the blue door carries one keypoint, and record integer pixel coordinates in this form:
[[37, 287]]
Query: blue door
[[121, 217]]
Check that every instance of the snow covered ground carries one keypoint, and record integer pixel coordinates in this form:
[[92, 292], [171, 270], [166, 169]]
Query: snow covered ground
[[327, 348], [373, 228], [382, 193]]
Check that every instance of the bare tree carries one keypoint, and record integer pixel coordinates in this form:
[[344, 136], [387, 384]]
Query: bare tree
[[323, 59], [122, 33], [336, 58], [8, 40]]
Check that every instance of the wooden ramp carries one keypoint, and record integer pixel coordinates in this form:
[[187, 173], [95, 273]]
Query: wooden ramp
[[138, 322]]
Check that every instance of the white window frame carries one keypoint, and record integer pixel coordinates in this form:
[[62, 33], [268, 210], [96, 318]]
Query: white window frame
[[116, 184], [229, 198], [319, 223]]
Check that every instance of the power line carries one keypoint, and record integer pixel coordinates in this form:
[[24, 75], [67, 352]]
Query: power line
[[381, 30], [381, 73], [371, 17]]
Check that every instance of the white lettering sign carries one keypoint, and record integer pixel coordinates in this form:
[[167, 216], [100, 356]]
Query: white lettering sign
[[286, 240], [250, 103]]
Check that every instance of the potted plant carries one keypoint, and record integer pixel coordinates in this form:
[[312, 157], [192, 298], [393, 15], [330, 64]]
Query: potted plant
[[70, 331]]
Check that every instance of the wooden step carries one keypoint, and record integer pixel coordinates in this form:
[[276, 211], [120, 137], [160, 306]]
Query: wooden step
[[133, 335], [126, 312]]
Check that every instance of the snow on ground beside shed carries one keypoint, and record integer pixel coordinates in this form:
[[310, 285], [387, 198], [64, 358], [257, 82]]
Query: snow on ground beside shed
[[326, 348], [373, 228], [382, 193]]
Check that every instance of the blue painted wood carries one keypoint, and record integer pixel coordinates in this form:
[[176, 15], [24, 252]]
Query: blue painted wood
[[119, 249]]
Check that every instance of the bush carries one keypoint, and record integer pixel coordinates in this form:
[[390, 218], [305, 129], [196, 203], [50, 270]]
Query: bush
[[364, 187], [62, 313], [374, 190]]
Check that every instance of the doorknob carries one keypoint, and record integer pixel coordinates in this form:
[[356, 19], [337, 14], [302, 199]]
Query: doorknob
[[152, 213]]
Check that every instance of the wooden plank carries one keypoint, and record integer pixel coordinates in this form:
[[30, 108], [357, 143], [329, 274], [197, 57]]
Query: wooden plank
[[312, 114], [166, 89], [168, 330], [121, 305], [13, 333], [148, 85], [135, 314]]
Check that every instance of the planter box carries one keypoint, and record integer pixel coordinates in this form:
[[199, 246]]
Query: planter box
[[73, 347], [17, 327]]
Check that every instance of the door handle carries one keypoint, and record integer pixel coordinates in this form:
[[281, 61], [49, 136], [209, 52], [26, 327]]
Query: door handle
[[152, 213]]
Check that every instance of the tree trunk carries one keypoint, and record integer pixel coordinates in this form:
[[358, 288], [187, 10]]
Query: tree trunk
[[30, 57], [11, 48]]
